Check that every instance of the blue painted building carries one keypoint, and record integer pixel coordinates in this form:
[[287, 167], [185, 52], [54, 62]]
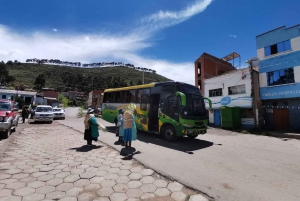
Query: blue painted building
[[279, 77]]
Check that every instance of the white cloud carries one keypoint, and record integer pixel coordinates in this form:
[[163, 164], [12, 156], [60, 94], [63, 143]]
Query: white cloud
[[100, 47], [233, 36]]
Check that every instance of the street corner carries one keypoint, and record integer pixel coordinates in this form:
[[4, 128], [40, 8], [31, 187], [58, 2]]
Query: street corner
[[43, 161]]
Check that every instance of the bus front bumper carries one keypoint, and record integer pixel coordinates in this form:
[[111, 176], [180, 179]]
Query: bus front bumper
[[195, 131]]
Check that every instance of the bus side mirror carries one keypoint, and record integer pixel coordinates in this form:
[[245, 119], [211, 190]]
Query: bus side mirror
[[182, 98]]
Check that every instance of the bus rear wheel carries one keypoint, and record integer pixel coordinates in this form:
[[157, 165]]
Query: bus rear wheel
[[169, 133]]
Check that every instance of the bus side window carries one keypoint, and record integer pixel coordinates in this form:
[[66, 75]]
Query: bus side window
[[139, 95], [117, 97], [128, 96], [107, 98], [132, 96], [144, 102]]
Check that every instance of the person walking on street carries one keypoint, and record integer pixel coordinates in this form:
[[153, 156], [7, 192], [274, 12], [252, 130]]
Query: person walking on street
[[24, 114], [91, 131], [121, 125]]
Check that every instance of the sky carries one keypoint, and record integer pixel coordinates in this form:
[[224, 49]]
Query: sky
[[163, 35]]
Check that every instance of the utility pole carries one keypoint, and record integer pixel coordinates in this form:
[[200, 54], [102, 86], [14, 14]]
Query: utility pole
[[253, 95], [143, 75]]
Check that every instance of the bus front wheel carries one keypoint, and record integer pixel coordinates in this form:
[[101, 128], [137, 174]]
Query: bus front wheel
[[169, 133]]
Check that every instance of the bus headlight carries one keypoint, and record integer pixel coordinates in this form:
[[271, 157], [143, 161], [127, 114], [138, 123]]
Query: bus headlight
[[187, 125]]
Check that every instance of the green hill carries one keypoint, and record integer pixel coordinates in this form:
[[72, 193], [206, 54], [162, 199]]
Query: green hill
[[64, 78]]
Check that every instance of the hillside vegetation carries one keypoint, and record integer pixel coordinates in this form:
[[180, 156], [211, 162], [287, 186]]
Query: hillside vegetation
[[64, 78]]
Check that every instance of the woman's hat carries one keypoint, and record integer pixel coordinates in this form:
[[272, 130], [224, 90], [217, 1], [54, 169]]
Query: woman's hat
[[120, 110], [90, 110]]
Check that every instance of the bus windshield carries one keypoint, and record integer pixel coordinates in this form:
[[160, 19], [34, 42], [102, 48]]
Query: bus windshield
[[195, 107]]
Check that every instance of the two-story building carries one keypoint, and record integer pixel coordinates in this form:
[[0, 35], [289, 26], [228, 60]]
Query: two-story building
[[279, 77], [28, 96], [233, 88]]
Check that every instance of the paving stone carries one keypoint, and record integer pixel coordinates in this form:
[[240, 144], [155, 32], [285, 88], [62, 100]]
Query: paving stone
[[107, 162], [108, 183], [31, 170], [5, 192], [8, 181], [38, 174], [87, 175], [179, 196], [91, 170], [27, 179], [102, 199], [64, 186], [54, 164], [113, 170], [92, 187], [116, 165], [60, 167], [15, 186], [11, 198], [13, 171], [105, 191], [147, 196], [53, 172], [134, 193], [2, 186], [74, 191], [74, 164], [82, 182], [71, 178], [134, 184], [46, 169], [55, 182], [33, 197], [24, 191], [198, 197], [135, 176], [40, 166], [124, 172], [62, 174], [120, 188], [5, 176], [136, 169], [148, 188], [34, 163], [147, 180], [20, 176], [118, 197], [162, 192], [101, 173], [160, 183], [175, 186], [104, 167], [45, 189], [24, 167], [122, 180], [86, 196], [133, 199], [147, 172], [111, 176], [46, 177], [97, 180], [83, 166], [47, 162], [55, 195], [36, 184], [66, 162], [69, 199], [77, 171], [126, 162]]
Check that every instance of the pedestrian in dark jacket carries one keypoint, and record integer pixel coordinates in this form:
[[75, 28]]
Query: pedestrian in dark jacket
[[24, 114]]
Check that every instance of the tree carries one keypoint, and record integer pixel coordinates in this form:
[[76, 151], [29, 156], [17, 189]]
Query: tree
[[131, 83], [139, 82], [4, 74], [40, 81]]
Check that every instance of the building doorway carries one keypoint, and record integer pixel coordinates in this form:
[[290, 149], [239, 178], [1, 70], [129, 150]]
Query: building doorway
[[281, 119], [217, 118]]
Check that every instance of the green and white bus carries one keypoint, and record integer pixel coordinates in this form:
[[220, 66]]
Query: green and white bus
[[173, 109]]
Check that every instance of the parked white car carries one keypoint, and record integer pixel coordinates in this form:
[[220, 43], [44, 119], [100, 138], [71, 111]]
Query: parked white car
[[59, 113], [42, 113]]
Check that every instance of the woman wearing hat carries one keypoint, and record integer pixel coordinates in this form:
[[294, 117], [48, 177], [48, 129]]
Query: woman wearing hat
[[91, 127], [120, 125]]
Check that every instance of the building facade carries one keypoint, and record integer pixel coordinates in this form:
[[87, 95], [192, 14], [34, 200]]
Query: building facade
[[279, 77], [207, 66], [233, 88], [28, 96], [95, 98]]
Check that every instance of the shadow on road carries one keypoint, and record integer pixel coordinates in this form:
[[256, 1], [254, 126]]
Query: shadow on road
[[86, 148], [182, 144]]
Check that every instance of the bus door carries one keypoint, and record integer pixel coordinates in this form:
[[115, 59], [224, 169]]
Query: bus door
[[153, 112]]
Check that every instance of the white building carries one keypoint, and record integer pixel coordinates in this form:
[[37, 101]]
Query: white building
[[233, 88], [28, 96]]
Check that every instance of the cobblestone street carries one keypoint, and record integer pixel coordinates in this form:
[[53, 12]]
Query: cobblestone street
[[52, 162]]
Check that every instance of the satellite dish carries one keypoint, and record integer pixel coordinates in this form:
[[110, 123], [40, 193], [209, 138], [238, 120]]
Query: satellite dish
[[255, 61]]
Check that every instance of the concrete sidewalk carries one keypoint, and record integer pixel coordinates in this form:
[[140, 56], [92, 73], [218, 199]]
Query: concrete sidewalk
[[50, 162]]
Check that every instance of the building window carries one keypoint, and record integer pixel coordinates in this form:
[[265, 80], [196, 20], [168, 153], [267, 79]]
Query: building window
[[3, 96], [215, 92], [240, 89], [277, 48], [283, 76]]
